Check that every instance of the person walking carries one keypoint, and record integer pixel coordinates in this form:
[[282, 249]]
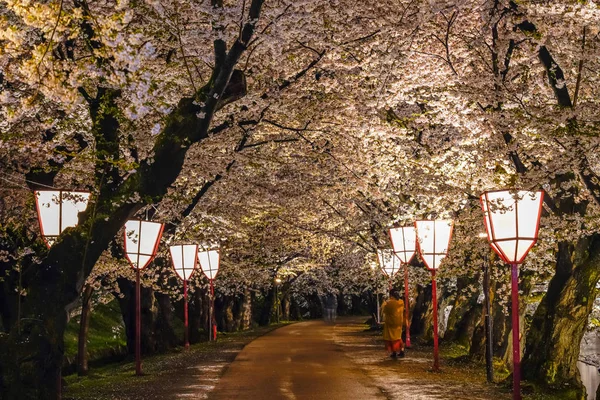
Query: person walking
[[393, 320]]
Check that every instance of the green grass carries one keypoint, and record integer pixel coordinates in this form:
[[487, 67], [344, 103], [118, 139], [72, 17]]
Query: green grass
[[106, 335], [121, 375]]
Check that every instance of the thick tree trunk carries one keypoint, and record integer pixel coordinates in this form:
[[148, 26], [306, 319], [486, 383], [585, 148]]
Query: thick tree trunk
[[421, 305], [84, 325], [268, 308], [285, 306], [165, 337], [463, 317], [127, 306], [559, 322], [196, 316], [246, 310]]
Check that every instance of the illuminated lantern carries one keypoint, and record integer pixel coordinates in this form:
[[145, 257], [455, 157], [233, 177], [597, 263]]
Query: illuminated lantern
[[512, 222], [58, 210], [388, 262], [433, 241], [404, 242], [209, 263], [184, 257], [141, 244]]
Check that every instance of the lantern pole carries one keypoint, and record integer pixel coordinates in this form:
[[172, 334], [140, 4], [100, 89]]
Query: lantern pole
[[406, 305], [138, 325], [378, 310], [515, 332], [211, 305], [186, 333], [436, 357]]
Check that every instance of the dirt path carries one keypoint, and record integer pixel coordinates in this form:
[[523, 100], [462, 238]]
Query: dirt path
[[300, 361], [306, 360], [410, 378]]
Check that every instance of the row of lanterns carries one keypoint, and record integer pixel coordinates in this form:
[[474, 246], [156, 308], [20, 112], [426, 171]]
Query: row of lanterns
[[58, 210], [511, 220]]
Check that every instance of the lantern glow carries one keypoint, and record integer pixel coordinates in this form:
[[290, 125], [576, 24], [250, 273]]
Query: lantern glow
[[388, 262], [209, 262], [141, 241], [433, 241], [404, 242], [184, 257], [512, 222], [59, 210]]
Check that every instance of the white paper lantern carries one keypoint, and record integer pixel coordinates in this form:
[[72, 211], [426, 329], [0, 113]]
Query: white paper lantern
[[433, 239], [59, 210], [141, 241], [209, 262], [404, 242], [184, 257], [512, 222]]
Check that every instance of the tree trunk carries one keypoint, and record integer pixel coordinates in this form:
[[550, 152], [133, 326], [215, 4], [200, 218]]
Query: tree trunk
[[421, 305], [285, 306], [127, 306], [196, 316], [246, 310], [559, 322], [461, 322], [163, 324], [84, 325], [268, 307]]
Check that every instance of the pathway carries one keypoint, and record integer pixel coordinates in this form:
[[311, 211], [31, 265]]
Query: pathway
[[313, 360], [300, 361]]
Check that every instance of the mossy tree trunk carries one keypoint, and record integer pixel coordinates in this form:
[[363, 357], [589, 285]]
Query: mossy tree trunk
[[560, 320], [464, 316]]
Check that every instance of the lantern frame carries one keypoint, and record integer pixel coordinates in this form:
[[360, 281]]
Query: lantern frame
[[57, 200], [140, 237], [497, 241], [208, 272], [438, 256], [400, 243], [184, 268], [395, 260], [212, 329]]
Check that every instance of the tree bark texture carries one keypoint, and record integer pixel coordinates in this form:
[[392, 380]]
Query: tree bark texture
[[84, 326], [560, 320]]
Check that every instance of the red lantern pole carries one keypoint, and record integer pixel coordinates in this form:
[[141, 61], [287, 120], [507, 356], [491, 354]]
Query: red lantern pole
[[436, 357], [185, 314], [406, 305], [211, 306], [515, 332], [138, 325]]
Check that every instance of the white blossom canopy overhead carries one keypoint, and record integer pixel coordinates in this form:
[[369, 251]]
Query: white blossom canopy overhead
[[59, 210], [512, 222]]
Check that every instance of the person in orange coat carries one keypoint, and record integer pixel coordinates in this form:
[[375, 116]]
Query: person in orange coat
[[393, 320]]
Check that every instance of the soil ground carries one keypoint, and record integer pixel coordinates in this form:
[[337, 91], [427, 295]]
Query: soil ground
[[306, 360]]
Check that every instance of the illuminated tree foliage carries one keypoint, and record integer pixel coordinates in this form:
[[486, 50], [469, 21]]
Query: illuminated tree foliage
[[295, 133]]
